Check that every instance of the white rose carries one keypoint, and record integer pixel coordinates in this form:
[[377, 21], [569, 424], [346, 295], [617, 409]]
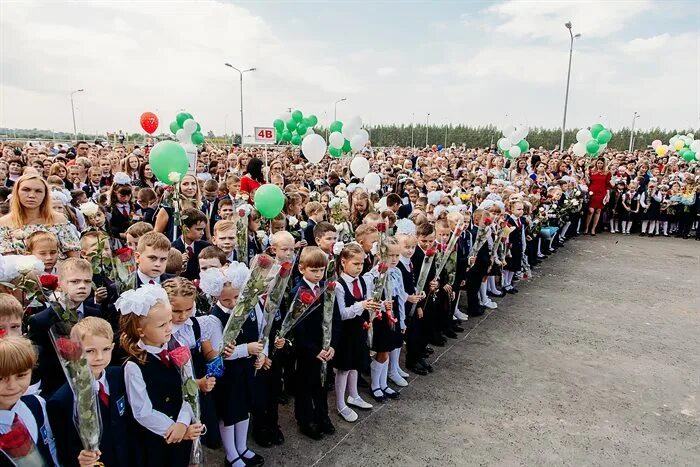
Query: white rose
[[575, 202], [89, 209], [260, 234], [174, 177], [339, 227], [27, 264], [541, 209], [338, 247], [303, 224], [375, 248], [292, 221], [245, 196]]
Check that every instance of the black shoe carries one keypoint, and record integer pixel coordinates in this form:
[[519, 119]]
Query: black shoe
[[415, 368], [262, 438], [495, 294], [425, 365], [437, 342], [391, 395], [457, 328], [326, 426], [429, 350], [256, 460], [230, 464], [277, 437], [450, 333], [311, 430], [377, 395], [474, 314]]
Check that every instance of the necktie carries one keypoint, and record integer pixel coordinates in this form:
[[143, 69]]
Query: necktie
[[317, 291], [124, 211], [152, 282], [163, 355], [102, 394], [190, 251], [410, 267], [356, 292]]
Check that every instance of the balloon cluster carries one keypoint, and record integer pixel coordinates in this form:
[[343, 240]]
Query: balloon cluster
[[592, 141], [684, 145], [347, 137], [186, 130], [513, 142], [149, 122], [293, 127]]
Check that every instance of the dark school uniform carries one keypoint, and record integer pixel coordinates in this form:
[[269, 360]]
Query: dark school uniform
[[254, 246], [119, 221], [352, 351], [514, 261], [28, 408], [117, 423], [162, 278], [193, 250], [475, 276], [309, 233]]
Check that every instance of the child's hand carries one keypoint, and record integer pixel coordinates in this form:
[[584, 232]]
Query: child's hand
[[100, 294], [434, 284], [415, 298], [447, 288], [419, 312], [463, 283], [88, 458], [228, 350], [175, 433], [206, 384], [255, 348], [388, 304], [300, 244], [370, 305], [330, 353], [472, 260], [185, 259], [321, 355], [259, 361], [194, 431], [267, 364], [279, 342]]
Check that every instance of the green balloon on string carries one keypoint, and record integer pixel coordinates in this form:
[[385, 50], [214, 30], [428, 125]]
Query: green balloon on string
[[197, 138], [336, 126], [604, 136], [301, 129], [506, 154], [291, 125], [689, 155], [174, 127], [297, 116], [199, 128], [278, 124], [313, 121], [286, 135], [523, 145], [346, 146], [296, 140], [596, 129], [269, 200], [181, 117], [167, 157], [335, 152], [592, 147]]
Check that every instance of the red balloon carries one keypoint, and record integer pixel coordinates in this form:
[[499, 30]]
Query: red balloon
[[149, 122]]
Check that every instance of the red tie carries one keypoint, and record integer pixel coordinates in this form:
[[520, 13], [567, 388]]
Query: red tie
[[124, 211], [356, 292], [164, 357], [102, 394], [317, 291], [190, 251], [152, 282]]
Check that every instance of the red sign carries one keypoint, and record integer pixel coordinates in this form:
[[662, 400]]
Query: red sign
[[264, 135]]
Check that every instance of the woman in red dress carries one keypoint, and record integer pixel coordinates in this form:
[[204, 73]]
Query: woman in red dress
[[598, 184], [253, 178]]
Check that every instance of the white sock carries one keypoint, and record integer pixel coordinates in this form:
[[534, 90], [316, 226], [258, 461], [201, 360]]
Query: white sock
[[551, 240], [228, 439], [376, 372], [242, 438], [565, 229], [507, 279], [482, 293], [491, 284], [644, 226], [612, 226], [664, 225], [394, 362], [352, 384], [383, 384], [539, 246], [341, 382]]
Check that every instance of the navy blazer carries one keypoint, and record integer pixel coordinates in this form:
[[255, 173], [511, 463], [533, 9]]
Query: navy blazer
[[404, 211], [308, 333], [192, 271], [309, 233], [117, 423]]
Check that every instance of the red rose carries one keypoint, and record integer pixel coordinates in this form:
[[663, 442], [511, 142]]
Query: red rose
[[383, 267], [430, 252], [365, 325], [285, 269], [49, 281], [264, 261], [381, 227], [241, 212], [331, 285], [124, 254], [68, 349], [17, 442], [196, 283], [488, 221], [307, 297], [180, 356]]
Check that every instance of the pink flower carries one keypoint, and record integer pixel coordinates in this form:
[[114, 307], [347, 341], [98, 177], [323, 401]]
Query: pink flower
[[180, 356], [68, 349]]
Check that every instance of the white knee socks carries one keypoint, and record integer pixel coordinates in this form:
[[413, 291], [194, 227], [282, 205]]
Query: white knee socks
[[341, 383], [352, 384], [394, 362], [376, 372], [491, 284], [228, 438], [564, 230], [507, 279], [241, 430], [539, 246], [612, 226], [483, 297]]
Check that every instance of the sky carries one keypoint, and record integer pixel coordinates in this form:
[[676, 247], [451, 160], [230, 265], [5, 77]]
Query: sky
[[469, 62]]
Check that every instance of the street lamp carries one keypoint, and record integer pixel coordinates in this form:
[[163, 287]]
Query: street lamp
[[240, 73], [75, 130], [335, 108], [413, 119], [568, 78], [634, 117], [427, 117]]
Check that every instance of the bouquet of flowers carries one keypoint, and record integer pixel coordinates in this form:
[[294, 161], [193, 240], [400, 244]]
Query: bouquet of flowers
[[445, 251], [301, 308], [182, 358], [423, 276], [86, 411], [242, 233], [123, 269], [274, 298], [17, 444], [481, 236], [327, 324], [339, 217]]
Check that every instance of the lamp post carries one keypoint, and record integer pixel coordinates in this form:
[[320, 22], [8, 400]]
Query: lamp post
[[335, 108], [72, 106], [427, 118], [568, 79], [634, 117], [413, 119], [240, 73]]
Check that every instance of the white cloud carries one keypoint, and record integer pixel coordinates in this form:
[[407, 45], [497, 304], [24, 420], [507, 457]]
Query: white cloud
[[640, 46], [386, 71]]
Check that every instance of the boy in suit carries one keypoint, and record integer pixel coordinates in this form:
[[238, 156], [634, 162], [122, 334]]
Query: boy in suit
[[224, 237], [190, 242], [96, 338], [315, 212], [151, 259]]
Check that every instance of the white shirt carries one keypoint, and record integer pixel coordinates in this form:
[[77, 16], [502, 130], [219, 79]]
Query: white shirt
[[141, 405], [145, 279], [102, 379], [217, 334], [184, 333], [21, 409], [356, 309]]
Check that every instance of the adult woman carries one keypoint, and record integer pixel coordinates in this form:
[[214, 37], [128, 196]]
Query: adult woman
[[276, 169], [31, 211], [145, 179], [190, 197], [59, 169], [252, 180], [598, 184], [519, 169]]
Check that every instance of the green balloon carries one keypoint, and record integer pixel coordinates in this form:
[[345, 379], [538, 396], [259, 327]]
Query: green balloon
[[278, 136], [269, 200], [181, 117], [174, 127], [592, 146], [597, 128], [346, 146], [291, 125], [301, 129], [296, 140], [278, 124], [297, 116], [336, 126], [313, 121], [506, 154], [523, 145], [335, 152], [689, 156], [197, 138], [683, 152], [167, 157], [286, 135], [199, 128], [604, 136]]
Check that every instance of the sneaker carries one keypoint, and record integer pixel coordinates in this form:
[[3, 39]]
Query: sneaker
[[491, 305], [348, 414], [359, 403], [398, 380], [460, 316]]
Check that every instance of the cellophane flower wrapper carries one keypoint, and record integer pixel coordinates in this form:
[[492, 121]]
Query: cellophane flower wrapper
[[277, 289], [262, 272], [17, 444], [327, 323], [86, 407], [299, 310], [182, 359], [481, 236], [444, 256], [242, 236], [422, 278]]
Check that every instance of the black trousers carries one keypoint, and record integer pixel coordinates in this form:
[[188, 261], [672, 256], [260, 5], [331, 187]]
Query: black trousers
[[311, 398], [268, 385], [416, 341], [474, 279]]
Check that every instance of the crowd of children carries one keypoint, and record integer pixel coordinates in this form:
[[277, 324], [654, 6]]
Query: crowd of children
[[147, 270]]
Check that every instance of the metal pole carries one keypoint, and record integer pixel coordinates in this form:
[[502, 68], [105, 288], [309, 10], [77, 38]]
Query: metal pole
[[241, 74], [634, 117], [413, 118], [568, 79], [427, 118], [72, 106], [335, 108]]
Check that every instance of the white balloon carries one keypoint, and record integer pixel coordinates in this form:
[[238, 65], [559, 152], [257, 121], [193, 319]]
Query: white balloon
[[365, 136], [514, 151], [504, 144], [357, 143], [356, 122], [697, 156], [508, 131], [690, 135], [372, 182], [359, 166], [309, 131], [314, 148], [190, 126], [688, 141], [673, 140], [695, 146], [285, 116], [349, 131], [524, 131], [514, 139], [336, 139], [584, 135], [182, 136], [580, 148]]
